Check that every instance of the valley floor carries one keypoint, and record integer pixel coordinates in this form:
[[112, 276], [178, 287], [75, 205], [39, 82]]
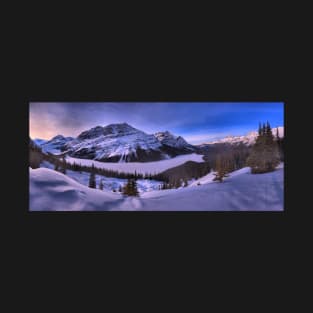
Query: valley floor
[[242, 191], [140, 167]]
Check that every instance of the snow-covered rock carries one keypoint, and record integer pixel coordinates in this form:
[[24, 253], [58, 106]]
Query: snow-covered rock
[[169, 139]]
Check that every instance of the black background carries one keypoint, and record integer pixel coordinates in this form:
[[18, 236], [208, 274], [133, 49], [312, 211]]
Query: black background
[[161, 76], [249, 248]]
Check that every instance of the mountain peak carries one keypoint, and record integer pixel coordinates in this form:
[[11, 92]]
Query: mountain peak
[[57, 137], [169, 139], [120, 126]]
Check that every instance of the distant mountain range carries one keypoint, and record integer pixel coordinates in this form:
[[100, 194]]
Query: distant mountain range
[[118, 143], [248, 139], [124, 143]]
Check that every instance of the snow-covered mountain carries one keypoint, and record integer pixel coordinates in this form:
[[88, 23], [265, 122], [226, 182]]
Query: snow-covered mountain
[[116, 143], [124, 143], [248, 139], [54, 145]]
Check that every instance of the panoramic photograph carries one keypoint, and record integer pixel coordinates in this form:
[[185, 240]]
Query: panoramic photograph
[[156, 156]]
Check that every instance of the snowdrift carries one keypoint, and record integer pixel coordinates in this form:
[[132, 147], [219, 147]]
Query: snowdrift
[[242, 191], [53, 191]]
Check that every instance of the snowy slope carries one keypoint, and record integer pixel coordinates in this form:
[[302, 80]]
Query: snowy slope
[[53, 191], [203, 180], [248, 139], [242, 191], [146, 167]]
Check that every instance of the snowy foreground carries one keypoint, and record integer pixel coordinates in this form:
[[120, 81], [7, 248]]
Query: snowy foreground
[[142, 168], [242, 191]]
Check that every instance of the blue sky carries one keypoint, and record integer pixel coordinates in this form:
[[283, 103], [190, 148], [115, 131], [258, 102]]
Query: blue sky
[[197, 122]]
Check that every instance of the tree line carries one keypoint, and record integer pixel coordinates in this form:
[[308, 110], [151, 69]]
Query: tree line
[[262, 157], [266, 152]]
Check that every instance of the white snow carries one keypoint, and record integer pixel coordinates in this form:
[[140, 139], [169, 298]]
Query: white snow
[[203, 180], [140, 167], [242, 191]]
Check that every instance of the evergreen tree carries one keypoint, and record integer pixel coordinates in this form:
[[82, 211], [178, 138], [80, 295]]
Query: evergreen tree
[[134, 188], [63, 166], [130, 188], [221, 168], [279, 142], [264, 156], [263, 129], [92, 180], [101, 184]]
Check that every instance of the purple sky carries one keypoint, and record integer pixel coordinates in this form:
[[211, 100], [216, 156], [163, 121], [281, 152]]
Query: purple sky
[[196, 122]]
